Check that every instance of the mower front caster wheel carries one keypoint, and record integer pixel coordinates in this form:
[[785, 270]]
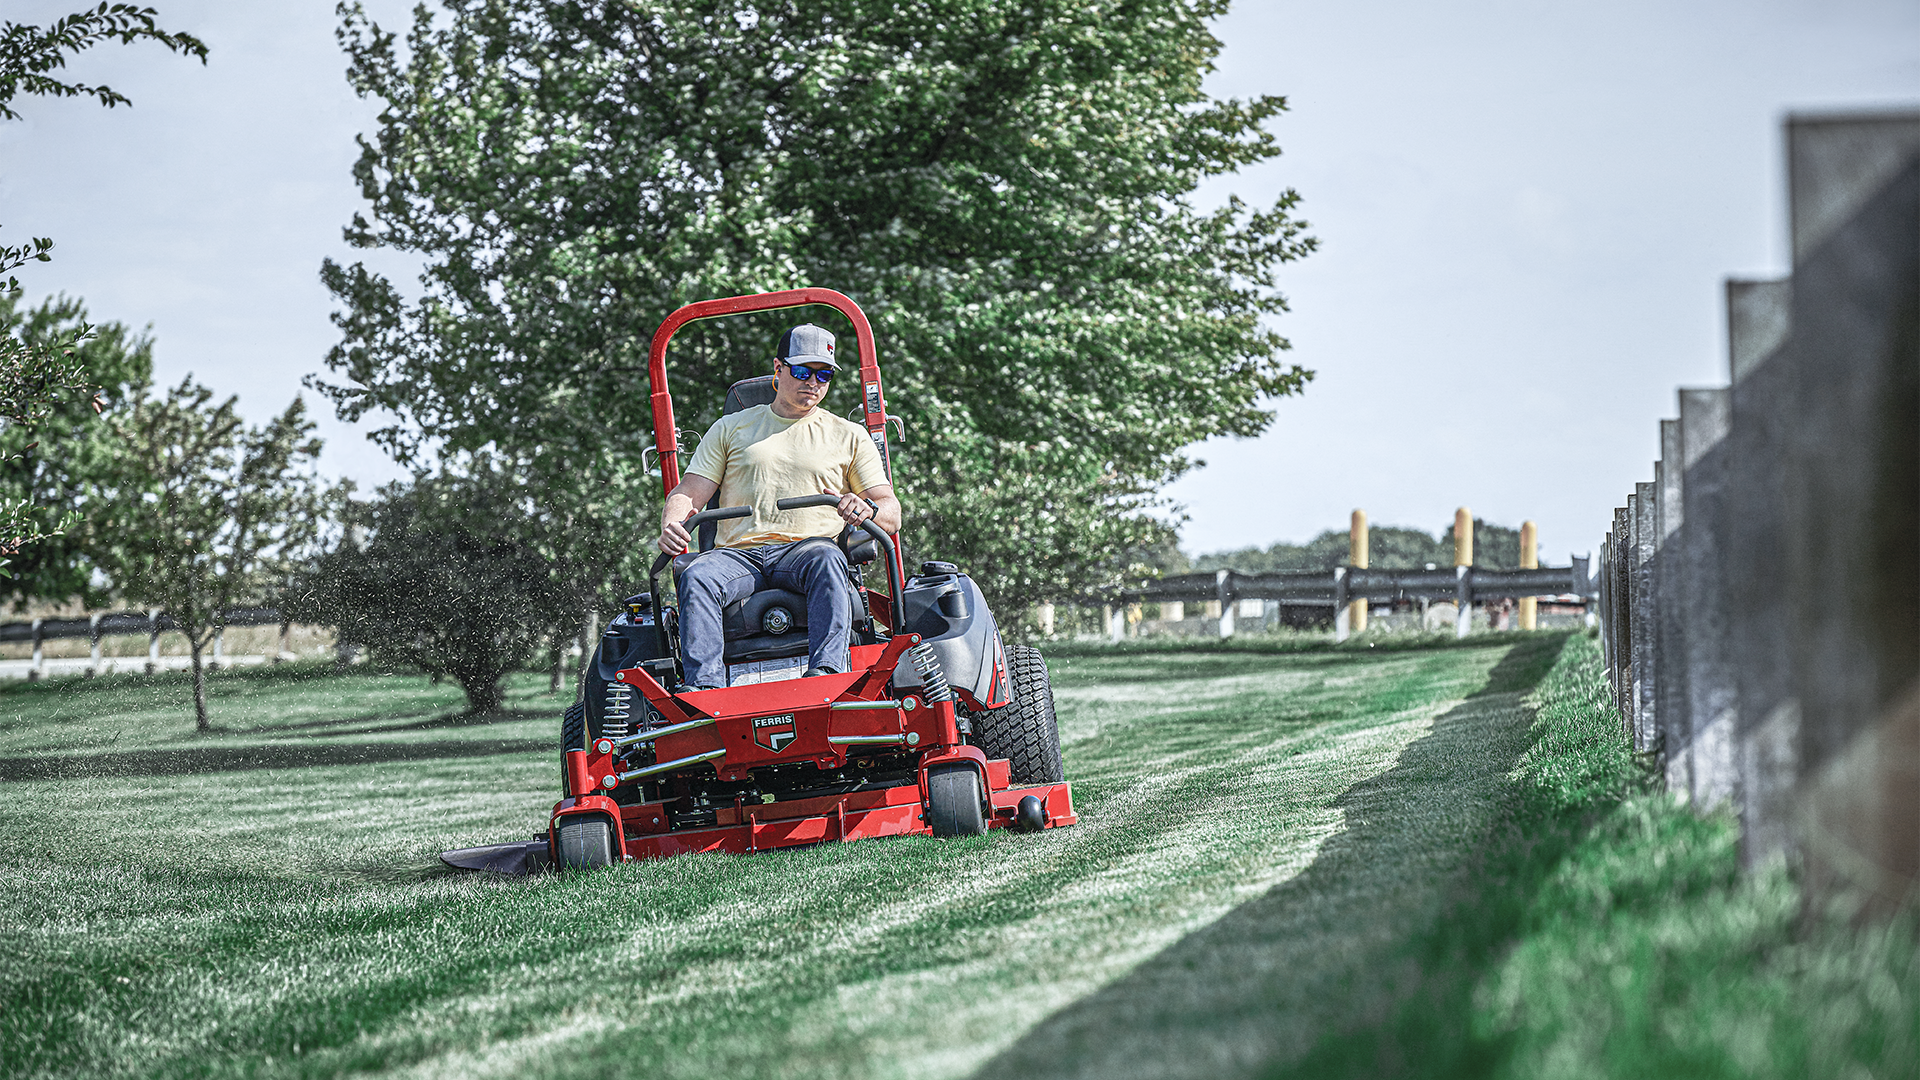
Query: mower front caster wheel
[[584, 843], [955, 803]]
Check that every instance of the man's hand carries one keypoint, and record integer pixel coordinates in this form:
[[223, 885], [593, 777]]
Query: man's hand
[[693, 490], [674, 538], [878, 506], [854, 509]]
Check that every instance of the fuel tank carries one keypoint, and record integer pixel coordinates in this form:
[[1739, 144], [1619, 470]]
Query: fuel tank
[[947, 610]]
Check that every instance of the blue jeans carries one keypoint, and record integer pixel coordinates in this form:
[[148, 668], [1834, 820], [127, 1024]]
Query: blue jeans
[[816, 570]]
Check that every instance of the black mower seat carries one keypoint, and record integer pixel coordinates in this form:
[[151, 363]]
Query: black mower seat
[[747, 393]]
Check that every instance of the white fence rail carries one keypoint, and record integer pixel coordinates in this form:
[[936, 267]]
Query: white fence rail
[[110, 623]]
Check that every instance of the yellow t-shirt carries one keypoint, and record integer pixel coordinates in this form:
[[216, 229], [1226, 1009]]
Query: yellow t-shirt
[[759, 457]]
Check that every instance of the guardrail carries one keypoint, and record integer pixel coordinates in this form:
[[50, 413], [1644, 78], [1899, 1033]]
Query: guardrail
[[1465, 586], [1760, 592], [111, 623]]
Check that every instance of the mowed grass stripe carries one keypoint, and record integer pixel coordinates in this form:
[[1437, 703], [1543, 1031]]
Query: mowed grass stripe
[[293, 924], [1062, 913]]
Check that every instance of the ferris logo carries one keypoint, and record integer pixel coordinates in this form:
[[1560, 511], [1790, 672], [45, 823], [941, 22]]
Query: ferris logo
[[774, 732]]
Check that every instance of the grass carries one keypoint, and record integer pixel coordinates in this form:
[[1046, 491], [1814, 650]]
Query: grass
[[1285, 641], [1607, 931], [267, 902], [1316, 862]]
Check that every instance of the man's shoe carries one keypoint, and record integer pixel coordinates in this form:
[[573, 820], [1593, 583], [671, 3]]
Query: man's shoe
[[691, 689], [812, 671]]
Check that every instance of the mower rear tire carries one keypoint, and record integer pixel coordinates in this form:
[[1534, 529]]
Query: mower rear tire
[[1025, 730], [955, 803], [573, 727], [584, 843]]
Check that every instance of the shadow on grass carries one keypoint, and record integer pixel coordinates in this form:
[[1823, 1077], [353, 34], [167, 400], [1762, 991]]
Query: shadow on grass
[[371, 723], [1527, 660], [1340, 946], [1524, 665], [1289, 644], [1149, 666], [119, 682], [212, 759]]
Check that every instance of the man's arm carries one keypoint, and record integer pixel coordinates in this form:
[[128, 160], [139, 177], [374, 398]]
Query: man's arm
[[690, 494], [854, 509]]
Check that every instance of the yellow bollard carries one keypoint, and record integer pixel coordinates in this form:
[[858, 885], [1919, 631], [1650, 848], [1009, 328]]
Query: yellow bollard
[[1357, 558], [1529, 560], [1463, 568]]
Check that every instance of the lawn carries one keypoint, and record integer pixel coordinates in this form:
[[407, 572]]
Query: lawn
[[1259, 834]]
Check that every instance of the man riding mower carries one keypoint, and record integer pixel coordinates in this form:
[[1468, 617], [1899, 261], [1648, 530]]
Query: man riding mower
[[768, 697]]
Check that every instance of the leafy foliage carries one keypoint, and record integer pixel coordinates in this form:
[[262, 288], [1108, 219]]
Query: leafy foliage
[[12, 258], [1004, 189], [31, 55], [452, 578], [70, 457], [36, 377], [208, 514]]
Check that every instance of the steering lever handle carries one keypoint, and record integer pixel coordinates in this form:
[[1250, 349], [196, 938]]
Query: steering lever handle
[[695, 521], [801, 502]]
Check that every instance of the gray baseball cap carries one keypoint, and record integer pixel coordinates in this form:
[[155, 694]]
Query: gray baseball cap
[[807, 344]]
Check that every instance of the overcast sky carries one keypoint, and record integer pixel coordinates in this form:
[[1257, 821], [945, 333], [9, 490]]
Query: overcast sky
[[1526, 212]]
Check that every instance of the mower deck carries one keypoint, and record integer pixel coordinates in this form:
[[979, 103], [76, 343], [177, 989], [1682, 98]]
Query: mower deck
[[818, 719], [859, 816]]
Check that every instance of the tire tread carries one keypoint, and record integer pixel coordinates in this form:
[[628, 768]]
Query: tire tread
[[573, 727], [1026, 730]]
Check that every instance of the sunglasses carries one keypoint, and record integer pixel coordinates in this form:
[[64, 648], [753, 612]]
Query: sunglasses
[[803, 372]]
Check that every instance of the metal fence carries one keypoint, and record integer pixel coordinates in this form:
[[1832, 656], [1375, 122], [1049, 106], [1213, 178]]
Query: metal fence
[[1761, 592], [1464, 586]]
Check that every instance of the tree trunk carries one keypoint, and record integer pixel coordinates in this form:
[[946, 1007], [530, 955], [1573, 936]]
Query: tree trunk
[[484, 693], [200, 721]]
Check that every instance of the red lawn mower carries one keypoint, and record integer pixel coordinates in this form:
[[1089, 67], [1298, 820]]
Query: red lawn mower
[[939, 727]]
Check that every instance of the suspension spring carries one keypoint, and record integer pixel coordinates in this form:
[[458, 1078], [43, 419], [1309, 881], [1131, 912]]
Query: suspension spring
[[933, 679], [616, 719]]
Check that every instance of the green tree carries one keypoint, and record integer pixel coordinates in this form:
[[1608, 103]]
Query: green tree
[[1322, 553], [1006, 190], [452, 574], [36, 372], [35, 377], [73, 451], [208, 514]]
